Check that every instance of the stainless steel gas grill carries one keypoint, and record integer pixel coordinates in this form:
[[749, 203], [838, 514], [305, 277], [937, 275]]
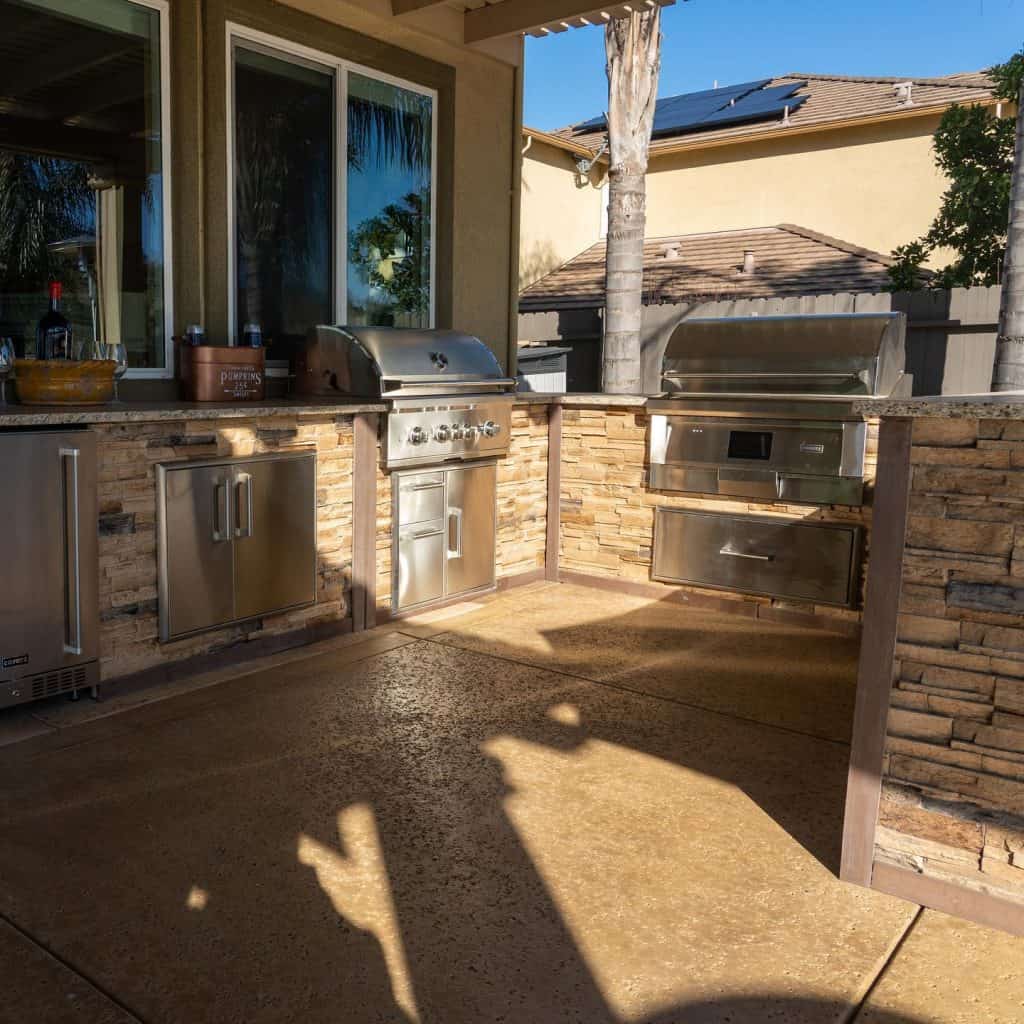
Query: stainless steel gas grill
[[449, 417], [760, 408]]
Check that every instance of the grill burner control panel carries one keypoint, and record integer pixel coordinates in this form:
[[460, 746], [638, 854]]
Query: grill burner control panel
[[448, 432]]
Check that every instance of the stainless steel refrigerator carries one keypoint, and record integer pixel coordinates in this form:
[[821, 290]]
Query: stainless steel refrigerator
[[49, 561]]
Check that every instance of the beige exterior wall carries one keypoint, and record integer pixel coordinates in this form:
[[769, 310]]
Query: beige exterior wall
[[560, 216], [874, 185]]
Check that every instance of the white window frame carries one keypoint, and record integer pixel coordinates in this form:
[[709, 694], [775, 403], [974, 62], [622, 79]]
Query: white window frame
[[284, 49]]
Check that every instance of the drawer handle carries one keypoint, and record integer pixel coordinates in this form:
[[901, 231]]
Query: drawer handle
[[422, 487], [745, 554]]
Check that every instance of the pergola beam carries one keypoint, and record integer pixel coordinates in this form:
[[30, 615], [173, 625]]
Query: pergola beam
[[399, 7], [540, 17]]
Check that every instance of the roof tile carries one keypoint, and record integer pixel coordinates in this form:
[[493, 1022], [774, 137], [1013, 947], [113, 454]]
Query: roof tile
[[789, 260]]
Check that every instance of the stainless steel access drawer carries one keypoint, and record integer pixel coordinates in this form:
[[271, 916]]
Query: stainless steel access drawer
[[421, 497], [797, 560]]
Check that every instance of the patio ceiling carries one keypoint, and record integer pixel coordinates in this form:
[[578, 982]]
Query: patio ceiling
[[488, 19]]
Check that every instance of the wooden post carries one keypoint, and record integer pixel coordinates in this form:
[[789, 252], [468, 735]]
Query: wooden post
[[877, 650], [364, 521]]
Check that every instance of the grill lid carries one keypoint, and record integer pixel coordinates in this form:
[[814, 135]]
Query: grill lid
[[396, 361], [840, 355]]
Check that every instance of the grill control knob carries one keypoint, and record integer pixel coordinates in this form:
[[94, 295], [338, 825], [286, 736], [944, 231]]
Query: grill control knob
[[443, 432], [457, 432], [490, 429], [418, 436]]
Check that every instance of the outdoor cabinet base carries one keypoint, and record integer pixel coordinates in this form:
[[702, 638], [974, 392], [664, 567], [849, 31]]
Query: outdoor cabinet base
[[236, 539], [444, 544]]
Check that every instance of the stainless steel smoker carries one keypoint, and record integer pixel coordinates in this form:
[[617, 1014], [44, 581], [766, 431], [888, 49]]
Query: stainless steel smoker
[[760, 408], [448, 422]]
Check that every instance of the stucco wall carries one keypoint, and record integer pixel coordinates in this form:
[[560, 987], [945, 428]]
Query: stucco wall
[[560, 216], [876, 186]]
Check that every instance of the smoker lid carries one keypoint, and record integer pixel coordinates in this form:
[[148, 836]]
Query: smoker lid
[[839, 354]]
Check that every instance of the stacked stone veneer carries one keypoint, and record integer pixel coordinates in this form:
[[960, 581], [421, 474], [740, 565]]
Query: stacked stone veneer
[[127, 457], [953, 791], [607, 510], [522, 478]]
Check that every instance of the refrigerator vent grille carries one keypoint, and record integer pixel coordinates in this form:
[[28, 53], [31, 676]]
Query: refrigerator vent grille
[[49, 684]]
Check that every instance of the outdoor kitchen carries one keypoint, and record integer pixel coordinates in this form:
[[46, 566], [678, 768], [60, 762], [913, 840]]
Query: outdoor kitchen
[[348, 674]]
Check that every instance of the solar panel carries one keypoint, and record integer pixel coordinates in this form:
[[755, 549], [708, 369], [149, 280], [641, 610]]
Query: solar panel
[[731, 104], [758, 106]]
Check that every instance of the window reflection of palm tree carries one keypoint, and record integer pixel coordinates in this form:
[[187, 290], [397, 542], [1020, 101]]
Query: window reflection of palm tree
[[382, 134]]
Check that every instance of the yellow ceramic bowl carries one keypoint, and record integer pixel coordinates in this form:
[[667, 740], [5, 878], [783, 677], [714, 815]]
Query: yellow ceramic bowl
[[64, 381]]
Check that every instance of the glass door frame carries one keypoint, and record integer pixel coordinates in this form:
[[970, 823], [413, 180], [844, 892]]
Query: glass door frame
[[339, 68]]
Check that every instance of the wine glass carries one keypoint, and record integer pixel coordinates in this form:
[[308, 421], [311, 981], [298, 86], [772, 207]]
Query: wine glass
[[118, 353], [6, 365]]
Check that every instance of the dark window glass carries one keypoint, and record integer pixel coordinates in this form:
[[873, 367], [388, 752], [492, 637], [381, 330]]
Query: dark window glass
[[389, 204], [81, 174], [284, 209]]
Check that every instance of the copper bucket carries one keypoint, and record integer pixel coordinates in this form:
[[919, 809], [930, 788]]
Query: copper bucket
[[219, 373]]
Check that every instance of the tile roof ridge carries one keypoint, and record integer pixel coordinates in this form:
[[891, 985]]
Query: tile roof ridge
[[837, 243], [723, 232], [953, 81]]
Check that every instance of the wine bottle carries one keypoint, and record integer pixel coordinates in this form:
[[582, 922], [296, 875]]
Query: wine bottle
[[53, 335]]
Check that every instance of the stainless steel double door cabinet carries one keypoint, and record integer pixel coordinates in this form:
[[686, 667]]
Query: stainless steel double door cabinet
[[49, 604], [445, 521], [237, 539]]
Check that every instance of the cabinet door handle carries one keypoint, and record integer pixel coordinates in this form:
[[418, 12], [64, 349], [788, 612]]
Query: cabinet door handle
[[455, 514], [72, 570], [745, 554], [221, 511], [243, 505]]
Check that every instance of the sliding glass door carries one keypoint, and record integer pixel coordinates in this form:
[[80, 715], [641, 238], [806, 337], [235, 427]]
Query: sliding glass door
[[332, 168], [284, 205]]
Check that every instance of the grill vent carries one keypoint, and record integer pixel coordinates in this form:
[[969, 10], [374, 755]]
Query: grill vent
[[49, 684]]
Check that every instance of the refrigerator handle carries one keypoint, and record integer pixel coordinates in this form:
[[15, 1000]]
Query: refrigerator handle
[[243, 505], [72, 569], [221, 511], [456, 515]]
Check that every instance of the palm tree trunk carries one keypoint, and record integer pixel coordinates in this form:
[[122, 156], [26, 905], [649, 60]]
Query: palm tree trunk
[[632, 44], [1008, 373]]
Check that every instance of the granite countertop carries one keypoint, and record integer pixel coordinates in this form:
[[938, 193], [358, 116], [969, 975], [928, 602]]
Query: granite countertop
[[1004, 405], [149, 412], [621, 401]]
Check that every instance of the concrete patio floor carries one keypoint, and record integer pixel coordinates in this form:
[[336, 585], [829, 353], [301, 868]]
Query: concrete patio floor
[[554, 805]]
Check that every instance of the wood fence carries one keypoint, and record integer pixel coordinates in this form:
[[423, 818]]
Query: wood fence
[[951, 335]]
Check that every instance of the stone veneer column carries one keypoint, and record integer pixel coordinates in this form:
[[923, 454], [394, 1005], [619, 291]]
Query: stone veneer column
[[952, 805]]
